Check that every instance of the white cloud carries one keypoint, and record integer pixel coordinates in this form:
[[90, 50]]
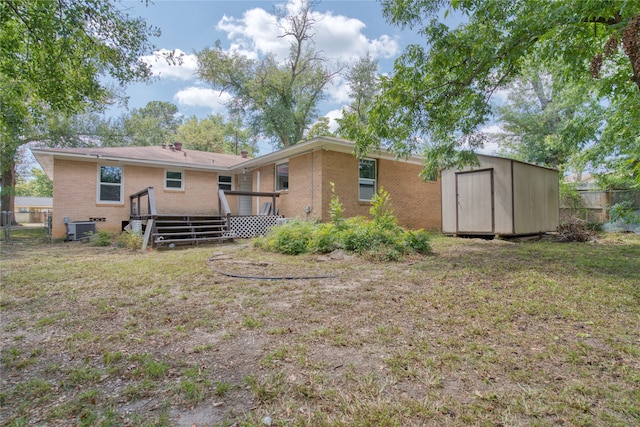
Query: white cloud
[[333, 115], [491, 146], [172, 64], [338, 91], [202, 97], [338, 37]]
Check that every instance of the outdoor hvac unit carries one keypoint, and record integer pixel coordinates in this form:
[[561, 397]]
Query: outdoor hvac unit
[[80, 229]]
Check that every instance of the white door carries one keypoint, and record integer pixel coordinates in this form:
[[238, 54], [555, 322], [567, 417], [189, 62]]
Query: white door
[[474, 200], [244, 202]]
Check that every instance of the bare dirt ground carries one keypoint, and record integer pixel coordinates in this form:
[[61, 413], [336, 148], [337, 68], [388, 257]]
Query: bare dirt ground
[[478, 333]]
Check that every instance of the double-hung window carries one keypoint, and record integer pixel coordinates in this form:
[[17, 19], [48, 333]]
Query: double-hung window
[[110, 184], [225, 182], [282, 176], [173, 180], [366, 179]]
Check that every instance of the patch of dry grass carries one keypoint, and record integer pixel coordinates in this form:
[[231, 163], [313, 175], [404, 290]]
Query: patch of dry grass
[[479, 333]]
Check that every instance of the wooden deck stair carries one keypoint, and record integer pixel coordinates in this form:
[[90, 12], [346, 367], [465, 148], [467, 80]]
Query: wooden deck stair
[[189, 229]]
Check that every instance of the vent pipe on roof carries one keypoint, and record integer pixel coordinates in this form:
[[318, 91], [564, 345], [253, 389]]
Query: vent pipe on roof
[[178, 145], [244, 154]]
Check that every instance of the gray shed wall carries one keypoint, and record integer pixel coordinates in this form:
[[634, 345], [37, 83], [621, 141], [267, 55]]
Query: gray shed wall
[[525, 198]]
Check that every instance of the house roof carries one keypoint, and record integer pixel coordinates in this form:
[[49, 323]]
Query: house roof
[[33, 202], [154, 156], [319, 143]]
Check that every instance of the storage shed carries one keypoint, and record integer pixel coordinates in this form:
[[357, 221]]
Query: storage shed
[[500, 197]]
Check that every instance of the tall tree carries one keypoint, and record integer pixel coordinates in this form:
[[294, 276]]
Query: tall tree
[[280, 99], [363, 81], [547, 120], [441, 95], [154, 124], [55, 55], [37, 185], [214, 133]]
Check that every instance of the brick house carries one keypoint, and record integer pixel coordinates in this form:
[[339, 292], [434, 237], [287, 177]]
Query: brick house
[[303, 173], [95, 184]]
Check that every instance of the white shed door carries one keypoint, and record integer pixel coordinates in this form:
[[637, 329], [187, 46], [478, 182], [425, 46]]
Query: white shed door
[[474, 200]]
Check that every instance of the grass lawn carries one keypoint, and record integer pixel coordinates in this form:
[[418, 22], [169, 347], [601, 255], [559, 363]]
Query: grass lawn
[[478, 333]]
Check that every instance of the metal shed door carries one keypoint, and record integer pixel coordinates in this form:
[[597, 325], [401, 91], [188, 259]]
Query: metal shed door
[[474, 202]]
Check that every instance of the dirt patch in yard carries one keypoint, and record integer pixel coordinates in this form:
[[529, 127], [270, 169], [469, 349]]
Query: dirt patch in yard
[[479, 332]]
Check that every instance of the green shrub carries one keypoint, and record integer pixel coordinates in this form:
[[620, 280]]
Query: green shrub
[[336, 211], [381, 210], [325, 238], [291, 238], [129, 240], [101, 238], [380, 239], [418, 241]]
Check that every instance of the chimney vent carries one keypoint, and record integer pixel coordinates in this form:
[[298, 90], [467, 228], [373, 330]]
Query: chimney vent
[[178, 145], [244, 154]]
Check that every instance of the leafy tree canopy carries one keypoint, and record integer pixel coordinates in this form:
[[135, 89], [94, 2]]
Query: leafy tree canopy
[[215, 133], [548, 120], [441, 92], [154, 124], [53, 56], [280, 98]]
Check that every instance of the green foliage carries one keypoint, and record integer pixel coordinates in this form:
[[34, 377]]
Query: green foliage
[[325, 238], [570, 196], [549, 120], [291, 238], [39, 185], [280, 97], [380, 238], [154, 124], [442, 89], [381, 210], [129, 240], [336, 211], [216, 134], [101, 238], [55, 57], [319, 128]]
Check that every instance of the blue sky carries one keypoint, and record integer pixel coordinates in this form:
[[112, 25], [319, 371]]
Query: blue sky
[[345, 30]]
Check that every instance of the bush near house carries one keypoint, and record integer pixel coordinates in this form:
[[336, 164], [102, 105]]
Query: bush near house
[[378, 238]]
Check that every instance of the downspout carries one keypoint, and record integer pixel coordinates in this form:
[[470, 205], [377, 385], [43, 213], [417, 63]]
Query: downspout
[[310, 207]]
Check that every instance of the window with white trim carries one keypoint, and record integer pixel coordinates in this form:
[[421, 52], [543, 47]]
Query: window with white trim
[[110, 184], [282, 176], [366, 179], [225, 182], [173, 180]]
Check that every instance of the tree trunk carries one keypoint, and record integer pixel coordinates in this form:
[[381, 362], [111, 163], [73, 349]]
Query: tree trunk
[[8, 169], [8, 189]]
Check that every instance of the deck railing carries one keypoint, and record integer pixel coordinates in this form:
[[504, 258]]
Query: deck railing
[[135, 205]]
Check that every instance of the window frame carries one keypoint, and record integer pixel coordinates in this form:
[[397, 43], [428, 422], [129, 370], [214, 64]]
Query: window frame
[[362, 180], [230, 183], [276, 184], [167, 179], [100, 183]]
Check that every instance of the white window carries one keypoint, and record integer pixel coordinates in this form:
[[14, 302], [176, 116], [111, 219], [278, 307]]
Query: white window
[[225, 182], [110, 184], [282, 176], [173, 180], [366, 179]]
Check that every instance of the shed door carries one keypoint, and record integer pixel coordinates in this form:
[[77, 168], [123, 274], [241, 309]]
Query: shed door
[[244, 202], [474, 202]]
